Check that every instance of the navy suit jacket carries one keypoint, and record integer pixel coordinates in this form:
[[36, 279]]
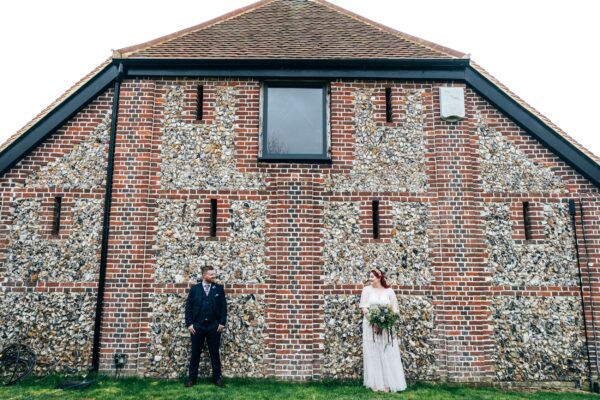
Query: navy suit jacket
[[196, 297]]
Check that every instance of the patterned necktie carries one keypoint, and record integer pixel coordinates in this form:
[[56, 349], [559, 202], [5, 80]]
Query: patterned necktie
[[206, 289]]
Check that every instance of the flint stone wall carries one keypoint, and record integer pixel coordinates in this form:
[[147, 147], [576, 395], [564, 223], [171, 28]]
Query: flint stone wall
[[405, 258], [59, 327], [552, 262], [538, 339], [505, 168], [84, 167], [33, 256], [180, 251], [386, 158], [202, 156], [343, 356], [242, 342]]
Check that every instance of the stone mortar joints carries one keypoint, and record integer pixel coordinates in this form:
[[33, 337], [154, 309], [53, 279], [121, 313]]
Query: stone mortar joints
[[405, 258], [242, 343], [202, 156], [59, 327], [343, 357], [180, 251], [552, 262], [32, 256], [538, 339], [386, 158], [84, 167], [505, 168]]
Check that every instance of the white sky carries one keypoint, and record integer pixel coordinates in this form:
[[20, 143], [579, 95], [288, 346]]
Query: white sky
[[544, 51]]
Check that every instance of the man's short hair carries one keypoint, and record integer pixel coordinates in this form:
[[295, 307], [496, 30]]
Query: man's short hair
[[207, 268]]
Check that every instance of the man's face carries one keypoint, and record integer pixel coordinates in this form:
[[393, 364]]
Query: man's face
[[210, 276]]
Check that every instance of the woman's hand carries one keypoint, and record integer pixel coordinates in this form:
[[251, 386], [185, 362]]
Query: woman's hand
[[377, 329]]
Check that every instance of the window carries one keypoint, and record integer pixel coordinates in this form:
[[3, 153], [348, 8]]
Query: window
[[200, 103], [375, 217], [294, 122], [213, 217], [388, 104], [526, 221], [56, 215]]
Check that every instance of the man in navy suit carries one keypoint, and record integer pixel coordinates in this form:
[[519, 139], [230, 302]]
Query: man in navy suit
[[205, 318]]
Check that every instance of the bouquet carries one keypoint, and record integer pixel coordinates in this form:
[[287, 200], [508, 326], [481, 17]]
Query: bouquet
[[383, 318]]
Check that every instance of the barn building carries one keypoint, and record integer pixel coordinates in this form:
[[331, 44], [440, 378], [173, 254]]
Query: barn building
[[294, 145]]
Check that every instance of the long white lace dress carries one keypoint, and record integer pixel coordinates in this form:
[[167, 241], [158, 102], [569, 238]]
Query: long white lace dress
[[382, 365]]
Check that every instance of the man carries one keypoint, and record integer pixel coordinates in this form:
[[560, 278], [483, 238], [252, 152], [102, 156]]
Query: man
[[205, 318]]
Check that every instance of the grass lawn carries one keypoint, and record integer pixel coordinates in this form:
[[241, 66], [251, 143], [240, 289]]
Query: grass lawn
[[242, 389]]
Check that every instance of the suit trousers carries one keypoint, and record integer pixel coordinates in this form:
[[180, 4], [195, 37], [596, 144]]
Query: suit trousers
[[207, 332]]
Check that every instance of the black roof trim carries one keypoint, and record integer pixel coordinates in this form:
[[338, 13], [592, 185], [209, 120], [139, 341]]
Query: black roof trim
[[281, 63], [56, 118], [433, 69], [300, 69]]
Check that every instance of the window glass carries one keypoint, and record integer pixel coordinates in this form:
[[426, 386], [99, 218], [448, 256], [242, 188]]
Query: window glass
[[294, 121]]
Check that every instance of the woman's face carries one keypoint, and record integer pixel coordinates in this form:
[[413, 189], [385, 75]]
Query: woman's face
[[374, 279]]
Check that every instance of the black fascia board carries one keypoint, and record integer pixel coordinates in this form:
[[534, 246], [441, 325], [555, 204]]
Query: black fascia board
[[56, 118], [374, 63], [300, 69], [534, 126]]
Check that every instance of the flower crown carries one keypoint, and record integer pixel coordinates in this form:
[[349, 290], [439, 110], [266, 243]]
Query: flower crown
[[381, 269]]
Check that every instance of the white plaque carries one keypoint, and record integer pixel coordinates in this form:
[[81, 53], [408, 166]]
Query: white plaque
[[452, 103]]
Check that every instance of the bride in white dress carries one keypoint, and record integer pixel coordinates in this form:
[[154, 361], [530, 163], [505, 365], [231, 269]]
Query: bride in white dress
[[382, 364]]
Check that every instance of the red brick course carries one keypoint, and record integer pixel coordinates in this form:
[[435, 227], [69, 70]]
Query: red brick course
[[294, 291]]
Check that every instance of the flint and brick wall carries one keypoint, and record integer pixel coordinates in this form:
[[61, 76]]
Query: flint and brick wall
[[49, 281], [294, 242]]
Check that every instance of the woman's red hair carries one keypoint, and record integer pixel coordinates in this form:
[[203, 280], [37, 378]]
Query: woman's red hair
[[381, 277]]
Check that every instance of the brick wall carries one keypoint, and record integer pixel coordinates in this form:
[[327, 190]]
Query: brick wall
[[446, 280], [49, 281]]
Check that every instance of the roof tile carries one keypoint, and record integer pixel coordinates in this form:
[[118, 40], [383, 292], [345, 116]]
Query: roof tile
[[289, 29]]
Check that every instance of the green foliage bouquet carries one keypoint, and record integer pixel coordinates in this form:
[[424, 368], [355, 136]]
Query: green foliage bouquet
[[383, 319]]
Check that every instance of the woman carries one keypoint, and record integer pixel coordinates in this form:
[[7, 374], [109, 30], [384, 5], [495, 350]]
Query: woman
[[382, 365]]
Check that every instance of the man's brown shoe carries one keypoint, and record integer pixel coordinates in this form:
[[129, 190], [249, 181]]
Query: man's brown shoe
[[219, 383], [189, 383]]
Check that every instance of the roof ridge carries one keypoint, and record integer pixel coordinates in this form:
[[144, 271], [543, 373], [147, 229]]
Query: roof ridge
[[124, 52], [414, 39]]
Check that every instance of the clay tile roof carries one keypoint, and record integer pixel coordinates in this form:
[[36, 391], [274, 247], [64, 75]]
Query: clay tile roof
[[289, 29]]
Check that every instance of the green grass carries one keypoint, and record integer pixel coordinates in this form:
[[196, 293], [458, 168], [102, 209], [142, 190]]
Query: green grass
[[242, 389]]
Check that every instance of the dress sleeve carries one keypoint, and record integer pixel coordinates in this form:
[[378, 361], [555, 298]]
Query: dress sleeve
[[364, 298], [394, 301]]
